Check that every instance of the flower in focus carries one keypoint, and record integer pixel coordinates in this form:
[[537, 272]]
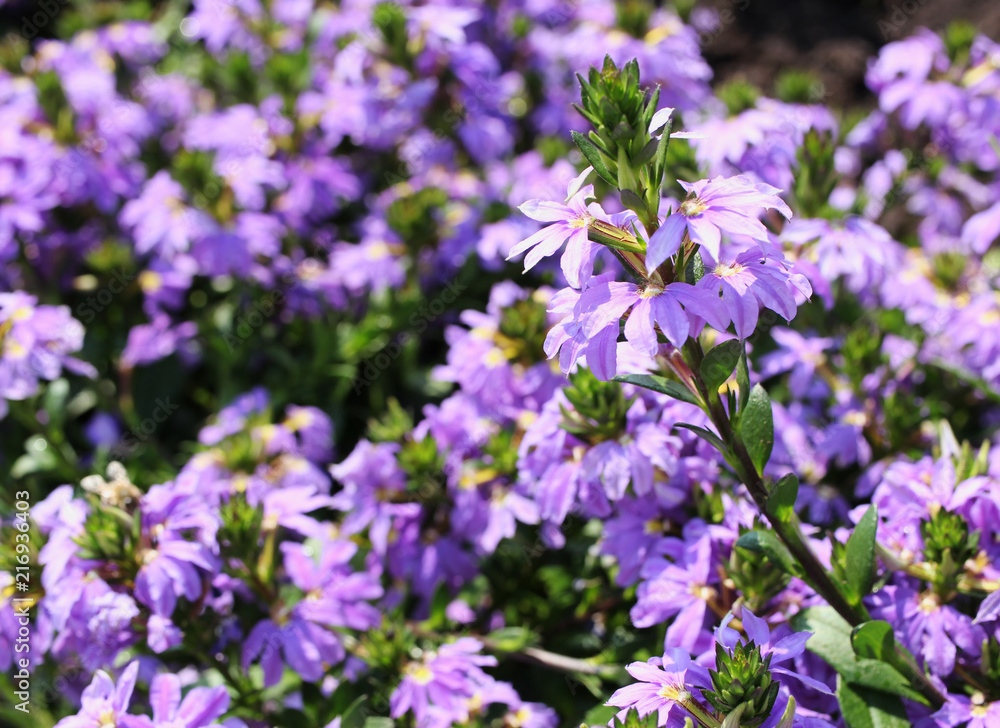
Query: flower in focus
[[713, 206], [664, 687], [749, 283], [570, 227]]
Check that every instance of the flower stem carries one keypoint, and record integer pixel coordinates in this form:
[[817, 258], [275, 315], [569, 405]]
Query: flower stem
[[817, 575]]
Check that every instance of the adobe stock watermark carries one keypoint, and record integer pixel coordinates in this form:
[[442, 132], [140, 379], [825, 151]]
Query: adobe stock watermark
[[47, 11], [899, 17], [141, 432], [260, 311], [88, 310], [419, 321]]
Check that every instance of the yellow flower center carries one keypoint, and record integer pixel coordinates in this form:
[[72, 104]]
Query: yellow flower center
[[693, 206], [674, 692], [725, 271], [651, 290]]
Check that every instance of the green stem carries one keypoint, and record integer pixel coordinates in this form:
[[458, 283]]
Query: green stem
[[818, 577]]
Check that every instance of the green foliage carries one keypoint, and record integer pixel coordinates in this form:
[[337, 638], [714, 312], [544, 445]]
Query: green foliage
[[742, 681], [661, 385], [859, 554], [753, 572], [719, 363], [757, 427], [831, 640], [767, 544], [799, 87], [738, 95], [599, 408], [861, 707], [781, 499]]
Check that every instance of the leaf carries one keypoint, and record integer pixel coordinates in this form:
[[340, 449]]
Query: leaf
[[646, 153], [719, 363], [662, 385], [757, 427], [707, 435], [781, 499], [874, 640], [626, 175], [634, 203], [864, 708], [765, 542], [860, 553], [511, 639], [595, 157], [831, 640], [733, 719], [743, 380]]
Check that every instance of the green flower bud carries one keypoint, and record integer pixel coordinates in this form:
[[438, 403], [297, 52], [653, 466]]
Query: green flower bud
[[742, 683], [599, 408]]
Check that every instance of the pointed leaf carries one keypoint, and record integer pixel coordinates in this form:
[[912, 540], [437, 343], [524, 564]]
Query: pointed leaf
[[781, 499], [766, 543], [860, 553], [757, 427], [595, 157], [661, 385], [634, 203], [719, 363], [742, 378]]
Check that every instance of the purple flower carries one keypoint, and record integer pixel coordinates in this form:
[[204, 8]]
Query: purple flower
[[437, 687], [35, 344], [570, 227], [713, 206], [800, 355], [754, 280], [160, 220], [679, 589], [200, 708], [784, 649], [334, 596], [663, 688], [104, 703], [974, 712], [989, 610], [159, 339]]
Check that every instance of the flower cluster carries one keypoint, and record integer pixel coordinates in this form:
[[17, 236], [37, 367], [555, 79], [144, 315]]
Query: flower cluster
[[742, 460]]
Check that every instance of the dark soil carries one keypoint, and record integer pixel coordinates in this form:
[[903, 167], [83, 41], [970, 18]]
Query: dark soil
[[832, 39]]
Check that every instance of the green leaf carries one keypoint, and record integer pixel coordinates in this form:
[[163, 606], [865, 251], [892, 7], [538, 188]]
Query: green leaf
[[646, 153], [55, 400], [733, 719], [865, 708], [707, 435], [860, 553], [595, 157], [831, 640], [719, 363], [626, 177], [765, 542], [757, 427], [634, 203], [743, 380], [511, 639], [874, 640], [781, 499], [661, 385], [38, 457]]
